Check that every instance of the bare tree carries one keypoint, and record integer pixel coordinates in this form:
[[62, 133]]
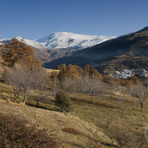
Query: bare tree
[[119, 91], [139, 91], [23, 78], [14, 77], [55, 86], [131, 91], [66, 84], [27, 82], [40, 83], [91, 85]]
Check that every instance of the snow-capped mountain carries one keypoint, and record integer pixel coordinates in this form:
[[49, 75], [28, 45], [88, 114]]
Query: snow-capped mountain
[[32, 43], [61, 40], [60, 44]]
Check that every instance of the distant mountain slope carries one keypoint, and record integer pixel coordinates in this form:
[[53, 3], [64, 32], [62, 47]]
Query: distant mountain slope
[[63, 40], [110, 54], [60, 44]]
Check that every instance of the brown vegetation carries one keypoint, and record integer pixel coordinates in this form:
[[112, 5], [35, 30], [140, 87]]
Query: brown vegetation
[[16, 133], [71, 131], [17, 51]]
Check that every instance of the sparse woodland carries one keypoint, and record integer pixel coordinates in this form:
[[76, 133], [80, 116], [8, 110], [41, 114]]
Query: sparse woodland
[[116, 107]]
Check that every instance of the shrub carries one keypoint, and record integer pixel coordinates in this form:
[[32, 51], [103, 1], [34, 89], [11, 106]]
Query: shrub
[[15, 133], [63, 101], [123, 136]]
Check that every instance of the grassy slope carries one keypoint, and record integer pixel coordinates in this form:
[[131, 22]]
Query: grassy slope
[[96, 122], [106, 115], [52, 121]]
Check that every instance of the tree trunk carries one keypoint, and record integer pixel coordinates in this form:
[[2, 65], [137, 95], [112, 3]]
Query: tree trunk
[[37, 103], [17, 96], [142, 108], [141, 104], [135, 100], [92, 98], [25, 97]]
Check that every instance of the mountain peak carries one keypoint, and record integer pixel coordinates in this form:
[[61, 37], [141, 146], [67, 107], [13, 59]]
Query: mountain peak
[[70, 40], [64, 40]]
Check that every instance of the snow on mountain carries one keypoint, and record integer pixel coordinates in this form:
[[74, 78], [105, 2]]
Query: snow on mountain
[[26, 41], [73, 41], [61, 40], [4, 41], [32, 43]]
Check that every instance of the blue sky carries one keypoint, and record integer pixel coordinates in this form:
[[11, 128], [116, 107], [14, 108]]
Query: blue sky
[[34, 19]]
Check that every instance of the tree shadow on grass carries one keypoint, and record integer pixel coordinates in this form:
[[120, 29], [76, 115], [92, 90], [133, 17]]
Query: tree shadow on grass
[[4, 97], [43, 107]]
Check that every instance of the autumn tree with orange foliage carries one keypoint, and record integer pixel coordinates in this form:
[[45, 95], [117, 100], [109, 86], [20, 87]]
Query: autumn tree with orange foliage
[[91, 71], [70, 71], [68, 76], [16, 51], [73, 71]]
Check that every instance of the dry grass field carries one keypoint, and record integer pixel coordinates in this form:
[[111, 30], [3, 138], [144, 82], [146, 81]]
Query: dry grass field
[[86, 125]]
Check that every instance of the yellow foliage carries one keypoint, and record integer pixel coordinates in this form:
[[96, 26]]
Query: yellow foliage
[[17, 51]]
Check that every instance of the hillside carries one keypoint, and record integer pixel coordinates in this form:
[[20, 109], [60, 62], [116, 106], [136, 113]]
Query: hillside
[[54, 122], [109, 54], [98, 125]]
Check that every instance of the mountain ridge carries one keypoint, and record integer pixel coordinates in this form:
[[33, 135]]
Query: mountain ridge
[[60, 44], [64, 40], [61, 40], [127, 51]]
